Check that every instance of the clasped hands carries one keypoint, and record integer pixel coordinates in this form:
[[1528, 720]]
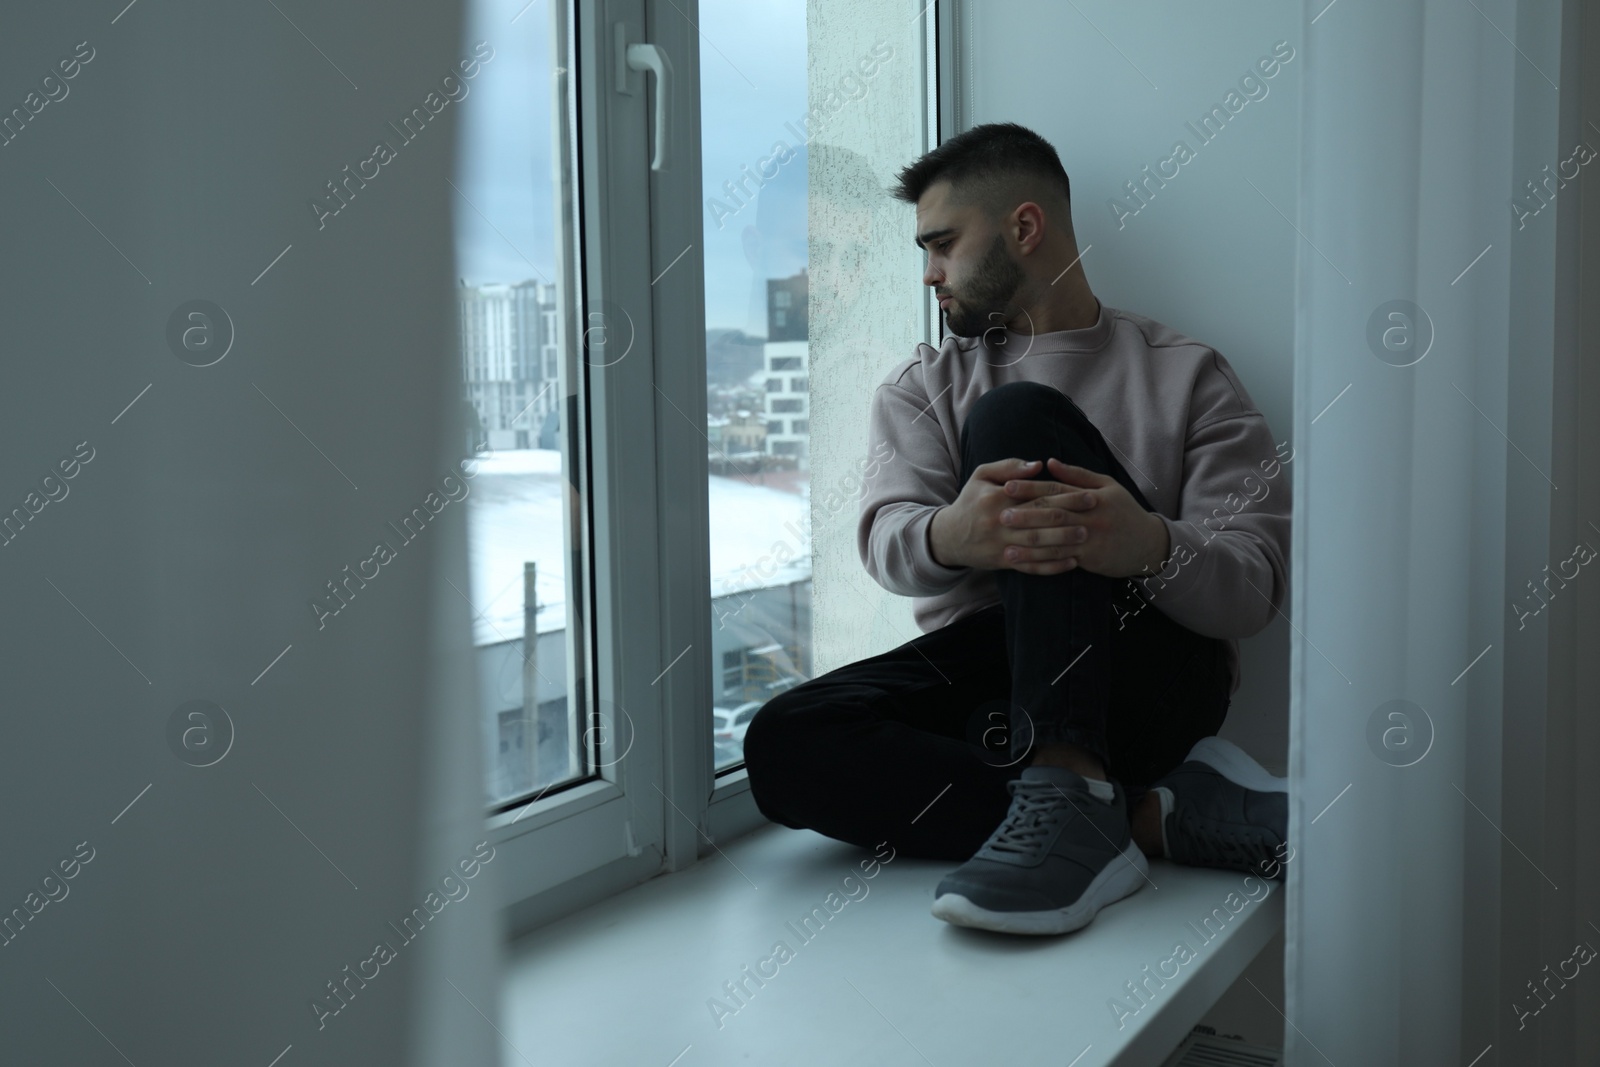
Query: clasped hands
[[1006, 517]]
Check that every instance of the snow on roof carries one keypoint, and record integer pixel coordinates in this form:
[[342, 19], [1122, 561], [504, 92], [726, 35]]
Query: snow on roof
[[760, 537]]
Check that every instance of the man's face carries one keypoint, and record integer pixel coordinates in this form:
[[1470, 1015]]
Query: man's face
[[968, 262]]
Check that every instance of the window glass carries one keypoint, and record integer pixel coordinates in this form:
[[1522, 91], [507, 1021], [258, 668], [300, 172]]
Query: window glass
[[519, 404], [754, 168]]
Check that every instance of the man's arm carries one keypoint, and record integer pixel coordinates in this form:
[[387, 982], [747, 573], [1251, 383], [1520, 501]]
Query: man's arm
[[1227, 572], [1163, 539], [939, 536], [900, 497]]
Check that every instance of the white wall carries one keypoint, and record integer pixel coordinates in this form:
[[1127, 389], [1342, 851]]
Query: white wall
[[181, 562], [867, 311]]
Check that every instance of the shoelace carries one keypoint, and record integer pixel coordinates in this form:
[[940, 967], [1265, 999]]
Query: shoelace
[[1037, 808]]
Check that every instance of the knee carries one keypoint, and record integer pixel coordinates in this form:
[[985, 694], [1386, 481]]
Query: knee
[[764, 738], [772, 761], [1020, 403], [1024, 419]]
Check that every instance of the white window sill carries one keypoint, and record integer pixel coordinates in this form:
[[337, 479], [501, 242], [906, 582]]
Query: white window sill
[[629, 979]]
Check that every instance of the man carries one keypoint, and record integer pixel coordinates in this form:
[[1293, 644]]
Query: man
[[1055, 723]]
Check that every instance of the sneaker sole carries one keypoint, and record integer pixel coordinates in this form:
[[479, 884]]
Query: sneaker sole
[[1121, 876], [1235, 764]]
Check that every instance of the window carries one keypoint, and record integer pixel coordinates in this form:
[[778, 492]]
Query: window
[[512, 773], [527, 614], [548, 286], [734, 664], [599, 621]]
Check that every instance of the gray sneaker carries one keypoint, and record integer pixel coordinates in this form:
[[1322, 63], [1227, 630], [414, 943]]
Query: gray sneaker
[[1060, 855], [1220, 808]]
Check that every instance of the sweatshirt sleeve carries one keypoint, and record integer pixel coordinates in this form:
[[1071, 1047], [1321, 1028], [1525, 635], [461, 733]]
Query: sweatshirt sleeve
[[1227, 572], [901, 494]]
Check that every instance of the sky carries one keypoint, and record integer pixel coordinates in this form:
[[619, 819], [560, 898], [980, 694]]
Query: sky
[[752, 83]]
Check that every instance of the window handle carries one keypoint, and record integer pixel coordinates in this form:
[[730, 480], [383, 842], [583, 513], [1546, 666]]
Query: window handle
[[647, 57]]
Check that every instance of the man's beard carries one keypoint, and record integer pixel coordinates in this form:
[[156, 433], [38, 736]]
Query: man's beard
[[986, 296]]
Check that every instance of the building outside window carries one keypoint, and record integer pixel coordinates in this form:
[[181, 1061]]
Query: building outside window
[[786, 350], [508, 353]]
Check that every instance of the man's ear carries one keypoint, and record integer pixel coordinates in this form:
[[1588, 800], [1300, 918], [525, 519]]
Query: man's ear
[[1029, 221]]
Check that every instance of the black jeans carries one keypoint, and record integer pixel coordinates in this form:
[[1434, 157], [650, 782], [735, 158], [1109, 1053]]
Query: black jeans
[[915, 746]]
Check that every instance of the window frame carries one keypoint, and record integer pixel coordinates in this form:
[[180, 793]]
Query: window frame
[[664, 805], [611, 820]]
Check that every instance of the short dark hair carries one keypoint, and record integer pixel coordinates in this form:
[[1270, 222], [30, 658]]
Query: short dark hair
[[996, 165]]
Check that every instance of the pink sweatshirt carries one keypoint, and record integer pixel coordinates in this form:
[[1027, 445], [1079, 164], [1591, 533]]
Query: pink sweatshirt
[[1175, 415]]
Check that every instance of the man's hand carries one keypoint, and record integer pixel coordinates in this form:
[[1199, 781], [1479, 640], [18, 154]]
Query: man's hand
[[1006, 518]]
